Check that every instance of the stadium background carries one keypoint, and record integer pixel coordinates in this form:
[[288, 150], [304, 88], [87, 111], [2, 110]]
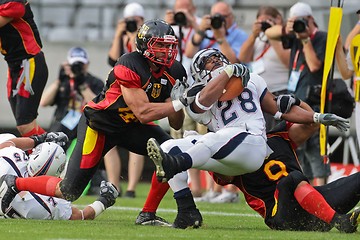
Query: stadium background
[[91, 24]]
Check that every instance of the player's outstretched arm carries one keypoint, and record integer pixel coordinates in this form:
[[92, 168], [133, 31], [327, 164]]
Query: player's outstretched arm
[[108, 195]]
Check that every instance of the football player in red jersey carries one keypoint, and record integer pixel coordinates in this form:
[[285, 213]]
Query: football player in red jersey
[[27, 70], [138, 91], [282, 195]]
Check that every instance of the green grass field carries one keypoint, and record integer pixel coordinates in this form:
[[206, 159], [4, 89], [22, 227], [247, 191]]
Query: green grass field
[[221, 221]]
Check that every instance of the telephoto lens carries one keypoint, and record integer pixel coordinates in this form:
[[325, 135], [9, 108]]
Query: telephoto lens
[[180, 19], [300, 25], [265, 25], [77, 68], [131, 25], [217, 21]]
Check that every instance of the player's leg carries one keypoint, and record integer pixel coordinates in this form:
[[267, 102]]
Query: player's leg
[[136, 142], [24, 98], [188, 215], [315, 204], [233, 154]]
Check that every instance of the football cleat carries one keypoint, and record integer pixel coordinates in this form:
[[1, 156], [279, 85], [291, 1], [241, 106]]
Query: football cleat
[[150, 218], [8, 191], [348, 223], [166, 165], [190, 218]]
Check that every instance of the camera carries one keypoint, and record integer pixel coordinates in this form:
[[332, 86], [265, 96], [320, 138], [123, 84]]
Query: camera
[[131, 25], [300, 25], [77, 68], [265, 25], [180, 19], [217, 21]]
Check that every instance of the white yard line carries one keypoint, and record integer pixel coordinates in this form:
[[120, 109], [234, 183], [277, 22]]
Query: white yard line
[[117, 208]]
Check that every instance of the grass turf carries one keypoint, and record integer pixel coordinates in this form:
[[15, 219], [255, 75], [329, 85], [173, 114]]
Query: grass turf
[[221, 221]]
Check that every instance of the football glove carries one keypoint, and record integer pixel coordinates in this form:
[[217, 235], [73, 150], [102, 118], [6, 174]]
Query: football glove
[[108, 194], [238, 70], [59, 138], [328, 119], [190, 93], [285, 102], [178, 89]]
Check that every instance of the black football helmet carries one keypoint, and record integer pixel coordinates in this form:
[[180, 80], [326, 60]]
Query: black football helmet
[[156, 41]]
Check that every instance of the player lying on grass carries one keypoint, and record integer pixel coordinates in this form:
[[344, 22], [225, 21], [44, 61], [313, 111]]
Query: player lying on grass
[[47, 158], [282, 195]]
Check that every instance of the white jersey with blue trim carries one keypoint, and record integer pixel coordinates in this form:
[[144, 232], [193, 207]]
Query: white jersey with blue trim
[[26, 204], [243, 111]]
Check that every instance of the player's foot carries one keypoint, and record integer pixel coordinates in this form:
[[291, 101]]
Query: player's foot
[[150, 218], [129, 194], [188, 218], [226, 197], [348, 223], [8, 191], [166, 165]]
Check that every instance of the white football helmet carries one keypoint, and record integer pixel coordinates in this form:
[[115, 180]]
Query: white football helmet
[[197, 67], [6, 136], [46, 159]]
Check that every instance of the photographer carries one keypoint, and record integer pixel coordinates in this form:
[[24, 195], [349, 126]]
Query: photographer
[[74, 87], [267, 57], [218, 30], [306, 67], [125, 33], [182, 17]]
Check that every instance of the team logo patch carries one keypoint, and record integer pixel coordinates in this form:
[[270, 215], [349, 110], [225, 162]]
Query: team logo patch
[[156, 90]]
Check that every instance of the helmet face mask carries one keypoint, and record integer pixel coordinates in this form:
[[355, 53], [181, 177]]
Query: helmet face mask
[[157, 42], [46, 159], [199, 66]]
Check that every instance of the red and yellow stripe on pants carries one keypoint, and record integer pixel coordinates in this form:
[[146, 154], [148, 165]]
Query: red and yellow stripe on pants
[[92, 149]]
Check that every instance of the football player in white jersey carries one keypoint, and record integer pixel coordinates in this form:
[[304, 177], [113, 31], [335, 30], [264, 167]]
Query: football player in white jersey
[[237, 142], [47, 158]]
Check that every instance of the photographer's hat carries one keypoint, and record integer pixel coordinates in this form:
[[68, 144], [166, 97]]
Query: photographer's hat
[[77, 54], [300, 9], [133, 10]]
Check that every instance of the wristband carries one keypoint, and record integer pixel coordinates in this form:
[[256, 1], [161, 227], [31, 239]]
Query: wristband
[[177, 105], [278, 115], [220, 41], [98, 207], [229, 70], [202, 107], [305, 40], [316, 117]]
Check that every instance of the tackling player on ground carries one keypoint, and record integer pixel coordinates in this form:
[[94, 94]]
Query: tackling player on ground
[[47, 158]]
